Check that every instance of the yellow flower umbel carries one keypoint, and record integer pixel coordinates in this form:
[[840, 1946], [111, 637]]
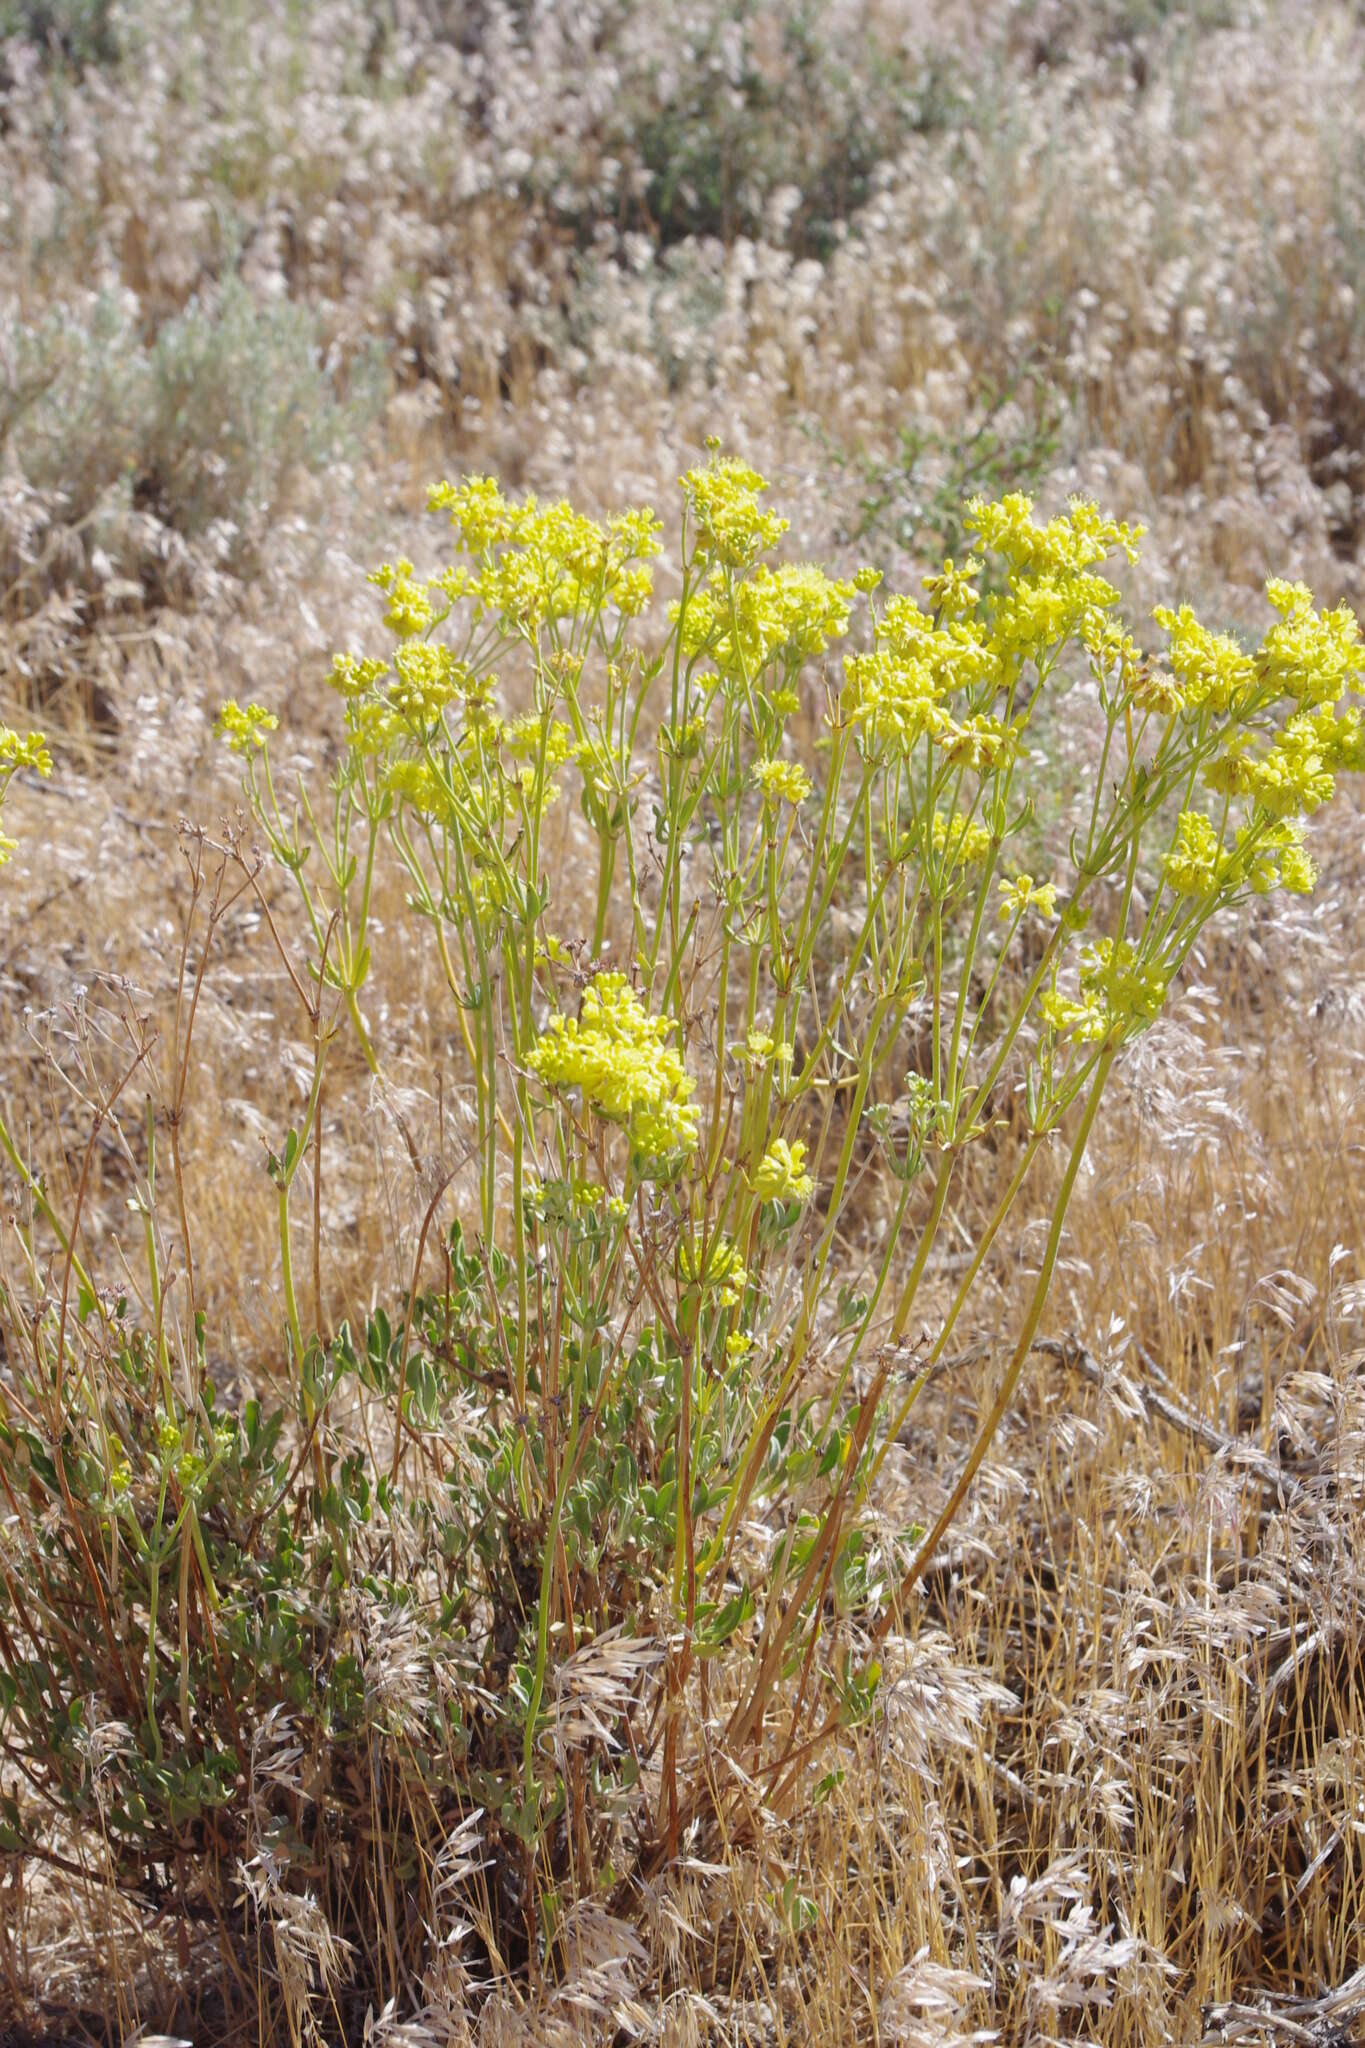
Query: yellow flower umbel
[[715, 1267], [245, 727], [1120, 994], [409, 611], [1314, 657], [959, 841], [781, 1175], [1191, 866], [758, 1050], [1024, 894], [1052, 590], [782, 782], [902, 689], [542, 562], [17, 752], [627, 1065], [22, 750], [478, 511], [1067, 545], [1209, 667], [732, 527]]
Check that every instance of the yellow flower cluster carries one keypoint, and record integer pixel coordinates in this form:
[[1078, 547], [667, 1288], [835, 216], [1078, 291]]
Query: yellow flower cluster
[[1194, 862], [781, 1175], [897, 700], [1313, 657], [782, 782], [245, 727], [1295, 775], [1308, 660], [529, 738], [733, 529], [716, 1266], [426, 677], [352, 676], [783, 616], [480, 776], [904, 688], [1209, 667], [1024, 894], [627, 1065], [959, 841], [1275, 859], [539, 749], [1118, 992], [958, 654], [23, 750], [952, 592], [1052, 590], [1040, 612], [1259, 860], [1067, 545], [758, 1050], [539, 562], [416, 784], [478, 511], [410, 610], [19, 751], [558, 1200]]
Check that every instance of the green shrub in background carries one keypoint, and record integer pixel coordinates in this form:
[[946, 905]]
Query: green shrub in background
[[764, 101], [209, 422], [73, 33], [755, 120], [602, 1574], [919, 499]]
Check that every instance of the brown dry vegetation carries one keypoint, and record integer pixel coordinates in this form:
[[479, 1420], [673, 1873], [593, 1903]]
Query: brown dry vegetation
[[1117, 1788]]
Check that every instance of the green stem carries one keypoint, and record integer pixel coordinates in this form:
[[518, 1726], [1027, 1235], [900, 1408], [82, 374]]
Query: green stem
[[366, 1045], [1005, 1394], [44, 1208]]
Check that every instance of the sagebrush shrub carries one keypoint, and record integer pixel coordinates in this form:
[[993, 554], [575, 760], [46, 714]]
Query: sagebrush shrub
[[209, 422], [68, 32], [762, 108], [607, 1473]]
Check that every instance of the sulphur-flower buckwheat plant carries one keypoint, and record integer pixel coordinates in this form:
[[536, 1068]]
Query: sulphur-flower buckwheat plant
[[722, 1089], [637, 1402], [726, 1083]]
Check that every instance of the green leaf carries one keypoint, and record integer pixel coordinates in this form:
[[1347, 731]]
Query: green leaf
[[798, 1911], [731, 1615]]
